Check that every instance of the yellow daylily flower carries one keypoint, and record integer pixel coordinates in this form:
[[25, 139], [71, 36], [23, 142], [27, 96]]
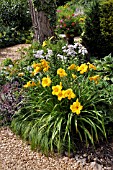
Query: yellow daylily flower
[[34, 65], [91, 66], [36, 70], [44, 44], [74, 76], [56, 89], [46, 69], [61, 72], [44, 63], [33, 83], [46, 81], [69, 94], [76, 107], [72, 67], [95, 78], [83, 68], [30, 84], [61, 95]]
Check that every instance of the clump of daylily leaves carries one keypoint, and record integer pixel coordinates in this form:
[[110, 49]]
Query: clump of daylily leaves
[[63, 106]]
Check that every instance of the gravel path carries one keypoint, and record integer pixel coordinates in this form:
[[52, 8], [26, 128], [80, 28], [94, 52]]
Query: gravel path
[[12, 52], [15, 154]]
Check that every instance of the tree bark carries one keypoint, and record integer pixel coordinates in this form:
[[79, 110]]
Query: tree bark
[[34, 18], [41, 25], [45, 30]]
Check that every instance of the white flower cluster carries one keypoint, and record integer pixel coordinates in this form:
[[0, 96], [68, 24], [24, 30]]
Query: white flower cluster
[[40, 54], [81, 49], [49, 53], [29, 68], [72, 50], [69, 50]]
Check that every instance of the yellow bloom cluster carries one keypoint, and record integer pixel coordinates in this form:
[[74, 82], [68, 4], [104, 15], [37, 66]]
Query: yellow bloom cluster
[[42, 66], [82, 68], [57, 90], [30, 84]]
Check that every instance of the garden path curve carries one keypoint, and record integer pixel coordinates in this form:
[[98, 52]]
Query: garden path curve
[[12, 52]]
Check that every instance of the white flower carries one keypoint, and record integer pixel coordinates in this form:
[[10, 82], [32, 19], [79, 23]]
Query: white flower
[[29, 68], [76, 45], [84, 51], [65, 51], [61, 57], [10, 66], [71, 46], [50, 52], [64, 47], [38, 54]]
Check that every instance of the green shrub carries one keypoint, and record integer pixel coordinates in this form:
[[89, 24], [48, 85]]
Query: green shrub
[[94, 37], [15, 22], [106, 22], [15, 14], [10, 36]]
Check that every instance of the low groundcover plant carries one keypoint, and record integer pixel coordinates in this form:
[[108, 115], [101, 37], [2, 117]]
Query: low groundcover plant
[[63, 106]]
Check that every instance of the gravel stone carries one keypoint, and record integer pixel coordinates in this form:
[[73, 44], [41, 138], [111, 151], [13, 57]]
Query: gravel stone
[[16, 154]]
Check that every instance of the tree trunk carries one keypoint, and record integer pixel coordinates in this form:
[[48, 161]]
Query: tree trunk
[[34, 18], [45, 30], [41, 25]]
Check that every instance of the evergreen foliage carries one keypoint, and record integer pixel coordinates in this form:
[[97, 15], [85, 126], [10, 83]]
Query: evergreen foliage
[[97, 43]]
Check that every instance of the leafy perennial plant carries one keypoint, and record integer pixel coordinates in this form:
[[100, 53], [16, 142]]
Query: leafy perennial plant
[[63, 106], [65, 100]]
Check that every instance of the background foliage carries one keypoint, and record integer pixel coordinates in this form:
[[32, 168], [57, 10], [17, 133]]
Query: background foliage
[[96, 30], [15, 22]]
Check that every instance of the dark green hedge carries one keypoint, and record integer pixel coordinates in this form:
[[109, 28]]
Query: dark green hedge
[[98, 35]]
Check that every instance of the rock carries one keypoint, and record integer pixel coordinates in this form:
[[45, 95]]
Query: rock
[[95, 166]]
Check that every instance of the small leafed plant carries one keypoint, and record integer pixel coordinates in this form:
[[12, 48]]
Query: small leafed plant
[[62, 106]]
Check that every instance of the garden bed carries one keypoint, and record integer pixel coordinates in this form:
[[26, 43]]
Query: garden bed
[[16, 154]]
